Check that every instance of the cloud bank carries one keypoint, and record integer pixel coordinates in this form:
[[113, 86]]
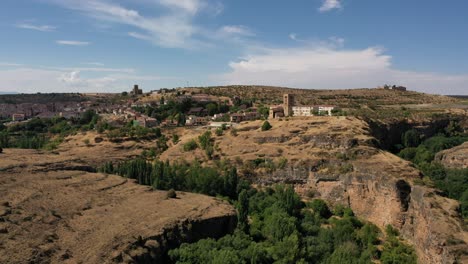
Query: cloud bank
[[329, 67], [28, 79]]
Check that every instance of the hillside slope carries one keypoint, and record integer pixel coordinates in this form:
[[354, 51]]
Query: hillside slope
[[336, 158], [49, 215]]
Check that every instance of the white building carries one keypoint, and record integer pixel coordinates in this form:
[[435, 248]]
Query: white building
[[313, 110], [303, 110], [326, 109]]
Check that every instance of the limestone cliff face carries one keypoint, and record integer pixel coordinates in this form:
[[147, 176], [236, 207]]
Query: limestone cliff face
[[456, 157], [429, 222], [338, 159]]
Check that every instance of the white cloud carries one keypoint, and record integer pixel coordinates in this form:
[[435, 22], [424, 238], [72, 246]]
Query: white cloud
[[90, 69], [328, 67], [73, 43], [189, 6], [236, 30], [43, 28], [329, 5], [173, 28], [94, 63], [32, 80], [293, 36], [9, 64]]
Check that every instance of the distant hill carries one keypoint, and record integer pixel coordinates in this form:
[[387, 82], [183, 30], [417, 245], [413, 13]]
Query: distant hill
[[8, 92], [343, 98], [40, 98]]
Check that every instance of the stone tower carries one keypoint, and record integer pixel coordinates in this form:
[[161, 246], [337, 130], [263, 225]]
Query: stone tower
[[288, 102]]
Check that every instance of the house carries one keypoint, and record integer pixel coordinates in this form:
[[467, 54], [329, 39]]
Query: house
[[251, 116], [236, 117], [303, 110], [196, 121], [239, 117], [326, 109], [146, 121], [198, 111], [276, 112], [18, 117]]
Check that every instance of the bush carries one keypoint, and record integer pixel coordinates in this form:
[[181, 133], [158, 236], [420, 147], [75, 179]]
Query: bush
[[321, 208], [266, 126], [234, 132], [219, 131], [171, 194], [191, 145], [205, 139]]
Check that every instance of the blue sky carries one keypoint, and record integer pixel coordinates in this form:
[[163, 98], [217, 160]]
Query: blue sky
[[108, 45]]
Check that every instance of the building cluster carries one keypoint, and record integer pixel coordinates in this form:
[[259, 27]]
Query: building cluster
[[394, 87], [24, 111], [288, 108], [136, 90]]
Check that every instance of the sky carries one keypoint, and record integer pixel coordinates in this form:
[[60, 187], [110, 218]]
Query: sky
[[109, 45]]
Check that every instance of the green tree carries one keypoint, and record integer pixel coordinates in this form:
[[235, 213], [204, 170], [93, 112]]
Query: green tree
[[266, 126], [191, 145], [243, 210], [411, 138], [320, 207]]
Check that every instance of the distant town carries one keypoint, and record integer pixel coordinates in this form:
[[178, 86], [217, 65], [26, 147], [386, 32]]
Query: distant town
[[194, 109]]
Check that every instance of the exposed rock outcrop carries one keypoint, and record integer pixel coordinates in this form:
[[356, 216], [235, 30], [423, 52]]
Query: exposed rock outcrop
[[81, 217], [337, 159], [456, 157]]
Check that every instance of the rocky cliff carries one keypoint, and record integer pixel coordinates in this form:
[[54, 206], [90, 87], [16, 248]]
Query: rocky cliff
[[338, 159], [456, 157], [58, 216]]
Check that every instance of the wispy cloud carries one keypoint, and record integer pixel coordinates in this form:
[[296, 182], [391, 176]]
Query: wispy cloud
[[29, 79], [236, 30], [293, 36], [329, 5], [331, 42], [9, 64], [94, 63], [174, 25], [330, 67], [73, 43], [173, 28], [43, 28]]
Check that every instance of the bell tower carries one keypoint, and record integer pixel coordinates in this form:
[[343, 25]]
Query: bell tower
[[288, 102]]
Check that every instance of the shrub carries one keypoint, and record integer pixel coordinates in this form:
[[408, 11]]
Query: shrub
[[391, 231], [175, 138], [266, 126], [191, 145], [205, 139], [320, 207], [171, 194], [234, 132], [219, 131]]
